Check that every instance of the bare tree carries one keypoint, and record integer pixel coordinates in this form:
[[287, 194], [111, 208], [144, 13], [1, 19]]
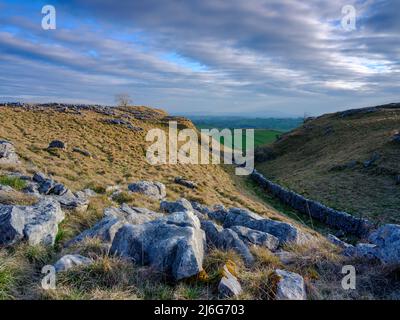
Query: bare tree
[[123, 99]]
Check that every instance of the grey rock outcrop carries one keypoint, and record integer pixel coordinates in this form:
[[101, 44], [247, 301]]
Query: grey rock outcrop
[[7, 153], [387, 241], [113, 220], [285, 232], [290, 286], [362, 250], [176, 206], [132, 215], [155, 190], [218, 213], [68, 200], [256, 237], [37, 224], [104, 230], [173, 244], [212, 231], [70, 261]]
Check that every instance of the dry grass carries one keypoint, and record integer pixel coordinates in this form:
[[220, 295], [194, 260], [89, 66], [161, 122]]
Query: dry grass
[[17, 198], [118, 159], [118, 156]]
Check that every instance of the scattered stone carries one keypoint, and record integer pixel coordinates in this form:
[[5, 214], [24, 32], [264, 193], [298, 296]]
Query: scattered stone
[[77, 202], [187, 183], [173, 244], [70, 261], [229, 286], [124, 123], [155, 190], [82, 152], [290, 286], [7, 153], [176, 206], [37, 224], [336, 241], [57, 144], [256, 237]]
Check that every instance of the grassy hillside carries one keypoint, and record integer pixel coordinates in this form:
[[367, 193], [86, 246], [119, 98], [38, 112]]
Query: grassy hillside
[[346, 160], [117, 157]]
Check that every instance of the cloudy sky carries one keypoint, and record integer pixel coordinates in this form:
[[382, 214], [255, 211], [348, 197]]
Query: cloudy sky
[[232, 57]]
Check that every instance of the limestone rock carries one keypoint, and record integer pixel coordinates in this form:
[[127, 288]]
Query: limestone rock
[[7, 153], [290, 286], [285, 232], [132, 215], [37, 224], [229, 286], [362, 250], [256, 237], [387, 240], [173, 244], [212, 231], [70, 261], [176, 206], [229, 240], [155, 190], [104, 230]]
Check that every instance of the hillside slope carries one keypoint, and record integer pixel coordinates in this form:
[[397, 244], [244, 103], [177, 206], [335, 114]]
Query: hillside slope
[[348, 160], [105, 152]]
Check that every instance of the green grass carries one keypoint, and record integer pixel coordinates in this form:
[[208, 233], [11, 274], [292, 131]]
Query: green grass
[[261, 137], [14, 182]]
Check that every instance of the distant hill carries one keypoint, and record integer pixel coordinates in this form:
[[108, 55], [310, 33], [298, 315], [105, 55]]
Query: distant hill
[[348, 160], [279, 124]]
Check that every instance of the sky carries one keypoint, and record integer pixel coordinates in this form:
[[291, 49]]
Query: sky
[[209, 57]]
